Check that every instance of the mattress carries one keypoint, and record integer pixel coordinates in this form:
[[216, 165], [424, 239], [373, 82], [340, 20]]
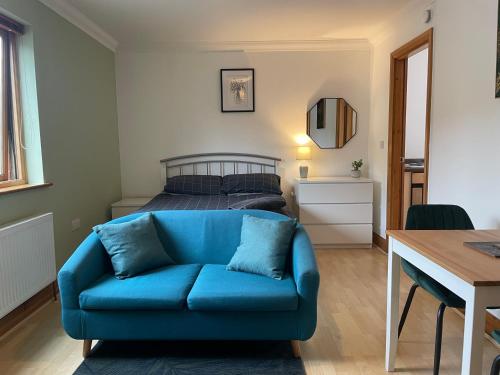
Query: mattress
[[165, 201]]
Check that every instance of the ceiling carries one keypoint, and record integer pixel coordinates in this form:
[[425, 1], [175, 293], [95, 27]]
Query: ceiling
[[139, 23]]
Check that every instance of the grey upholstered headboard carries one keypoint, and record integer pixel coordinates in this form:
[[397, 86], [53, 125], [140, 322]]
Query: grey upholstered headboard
[[219, 164]]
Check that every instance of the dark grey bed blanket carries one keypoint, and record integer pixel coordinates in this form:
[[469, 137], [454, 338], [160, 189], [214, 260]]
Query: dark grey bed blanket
[[165, 201]]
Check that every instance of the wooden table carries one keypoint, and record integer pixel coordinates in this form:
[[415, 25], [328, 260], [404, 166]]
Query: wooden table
[[470, 274]]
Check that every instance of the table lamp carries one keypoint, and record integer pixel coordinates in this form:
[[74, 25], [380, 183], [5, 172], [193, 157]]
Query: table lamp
[[303, 153]]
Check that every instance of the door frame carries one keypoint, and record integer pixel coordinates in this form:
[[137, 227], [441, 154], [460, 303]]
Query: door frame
[[397, 125]]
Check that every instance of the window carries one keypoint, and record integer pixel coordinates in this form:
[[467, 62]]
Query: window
[[12, 169]]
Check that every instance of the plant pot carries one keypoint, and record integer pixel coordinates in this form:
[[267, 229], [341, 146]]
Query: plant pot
[[356, 173]]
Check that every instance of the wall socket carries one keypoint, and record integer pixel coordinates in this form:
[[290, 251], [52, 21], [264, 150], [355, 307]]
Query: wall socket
[[75, 224]]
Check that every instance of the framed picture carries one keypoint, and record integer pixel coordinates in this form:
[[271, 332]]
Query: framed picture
[[498, 55], [237, 90]]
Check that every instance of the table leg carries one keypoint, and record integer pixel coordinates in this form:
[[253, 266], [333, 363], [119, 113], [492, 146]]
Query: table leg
[[391, 339], [472, 356]]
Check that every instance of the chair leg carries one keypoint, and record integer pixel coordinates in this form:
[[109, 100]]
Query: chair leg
[[406, 308], [495, 367], [295, 348], [87, 345], [439, 337]]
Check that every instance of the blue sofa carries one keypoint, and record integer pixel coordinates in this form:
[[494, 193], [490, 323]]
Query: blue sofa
[[196, 299]]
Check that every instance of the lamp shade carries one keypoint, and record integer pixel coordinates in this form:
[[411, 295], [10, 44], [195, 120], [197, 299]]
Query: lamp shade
[[303, 153]]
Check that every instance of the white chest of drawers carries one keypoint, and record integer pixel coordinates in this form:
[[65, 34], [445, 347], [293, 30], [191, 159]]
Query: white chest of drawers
[[336, 211]]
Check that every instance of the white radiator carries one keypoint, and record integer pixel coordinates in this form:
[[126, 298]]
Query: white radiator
[[27, 260]]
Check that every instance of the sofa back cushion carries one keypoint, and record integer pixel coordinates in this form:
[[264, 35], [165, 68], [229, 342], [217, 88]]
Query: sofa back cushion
[[203, 237]]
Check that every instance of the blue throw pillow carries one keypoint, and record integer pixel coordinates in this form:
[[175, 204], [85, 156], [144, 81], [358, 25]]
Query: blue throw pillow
[[133, 246], [264, 246]]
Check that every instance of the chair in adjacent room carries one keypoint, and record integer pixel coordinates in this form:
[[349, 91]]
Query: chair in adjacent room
[[433, 217]]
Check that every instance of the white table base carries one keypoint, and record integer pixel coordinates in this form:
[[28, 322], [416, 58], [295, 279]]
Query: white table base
[[477, 298]]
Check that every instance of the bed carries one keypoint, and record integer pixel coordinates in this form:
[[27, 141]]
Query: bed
[[248, 181]]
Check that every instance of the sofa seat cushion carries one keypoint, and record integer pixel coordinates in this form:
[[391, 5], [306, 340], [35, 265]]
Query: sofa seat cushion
[[217, 289], [164, 288]]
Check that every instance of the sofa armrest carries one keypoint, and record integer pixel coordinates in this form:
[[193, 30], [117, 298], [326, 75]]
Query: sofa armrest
[[87, 264], [305, 269], [306, 275]]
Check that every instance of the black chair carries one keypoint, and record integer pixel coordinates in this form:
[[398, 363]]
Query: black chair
[[495, 367], [433, 217]]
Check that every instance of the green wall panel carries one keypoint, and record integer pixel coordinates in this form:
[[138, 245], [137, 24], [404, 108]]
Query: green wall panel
[[70, 110]]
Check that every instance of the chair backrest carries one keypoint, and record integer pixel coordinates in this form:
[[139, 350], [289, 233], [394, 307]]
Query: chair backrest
[[437, 216]]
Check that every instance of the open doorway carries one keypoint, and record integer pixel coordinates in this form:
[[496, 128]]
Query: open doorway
[[409, 128]]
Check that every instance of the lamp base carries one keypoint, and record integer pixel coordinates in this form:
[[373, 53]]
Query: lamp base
[[304, 169]]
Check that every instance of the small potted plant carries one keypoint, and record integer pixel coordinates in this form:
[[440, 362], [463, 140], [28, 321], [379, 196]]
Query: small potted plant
[[356, 165]]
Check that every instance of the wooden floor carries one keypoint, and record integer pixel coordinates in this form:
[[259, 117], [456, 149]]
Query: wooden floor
[[350, 338]]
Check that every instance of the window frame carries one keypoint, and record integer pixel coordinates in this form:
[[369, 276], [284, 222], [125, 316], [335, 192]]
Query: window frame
[[10, 30], [4, 176]]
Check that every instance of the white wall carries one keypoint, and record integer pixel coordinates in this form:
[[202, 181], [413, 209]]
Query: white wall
[[465, 119], [401, 29], [416, 103], [465, 135], [169, 104]]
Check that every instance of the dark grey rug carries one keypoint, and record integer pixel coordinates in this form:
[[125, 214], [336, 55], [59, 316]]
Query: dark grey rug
[[191, 357]]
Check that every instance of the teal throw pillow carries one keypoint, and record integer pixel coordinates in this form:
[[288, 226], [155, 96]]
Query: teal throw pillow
[[264, 246], [133, 246]]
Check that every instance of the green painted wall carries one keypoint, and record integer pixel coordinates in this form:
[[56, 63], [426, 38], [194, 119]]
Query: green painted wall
[[76, 123]]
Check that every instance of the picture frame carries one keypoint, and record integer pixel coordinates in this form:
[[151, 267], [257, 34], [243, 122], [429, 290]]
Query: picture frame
[[497, 89], [237, 90]]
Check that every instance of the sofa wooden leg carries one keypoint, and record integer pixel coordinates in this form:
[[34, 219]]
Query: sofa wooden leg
[[295, 348], [87, 345]]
